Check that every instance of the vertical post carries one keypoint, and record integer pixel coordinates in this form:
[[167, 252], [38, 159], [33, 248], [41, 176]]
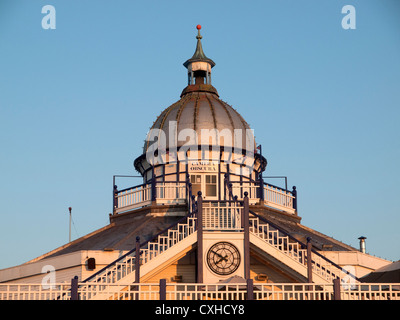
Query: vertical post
[[199, 238], [163, 289], [114, 196], [225, 183], [246, 235], [261, 188], [153, 185], [187, 189], [194, 203], [70, 219], [115, 199], [137, 260], [294, 193], [309, 261], [250, 289], [336, 289], [74, 288]]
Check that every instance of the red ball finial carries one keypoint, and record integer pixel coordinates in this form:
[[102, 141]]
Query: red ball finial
[[198, 27]]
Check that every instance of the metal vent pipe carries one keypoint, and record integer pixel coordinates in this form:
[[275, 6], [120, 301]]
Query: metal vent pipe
[[362, 243]]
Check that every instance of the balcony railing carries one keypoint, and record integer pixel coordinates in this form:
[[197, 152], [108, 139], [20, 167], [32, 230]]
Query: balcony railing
[[270, 195], [198, 291], [279, 198], [142, 195], [132, 198], [180, 193], [222, 216]]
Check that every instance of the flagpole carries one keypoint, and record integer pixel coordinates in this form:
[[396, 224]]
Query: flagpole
[[70, 209]]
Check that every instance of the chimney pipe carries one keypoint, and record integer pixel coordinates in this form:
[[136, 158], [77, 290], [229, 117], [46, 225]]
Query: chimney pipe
[[362, 243]]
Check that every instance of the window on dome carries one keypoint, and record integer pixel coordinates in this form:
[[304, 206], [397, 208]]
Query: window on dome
[[211, 185], [195, 180]]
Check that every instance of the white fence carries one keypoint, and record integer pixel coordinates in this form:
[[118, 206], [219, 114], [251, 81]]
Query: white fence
[[23, 291], [273, 196], [170, 192], [278, 198], [222, 216], [175, 193], [133, 198], [136, 197], [196, 291], [293, 249]]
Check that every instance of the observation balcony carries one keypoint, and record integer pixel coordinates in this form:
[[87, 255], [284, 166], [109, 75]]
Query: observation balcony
[[180, 193]]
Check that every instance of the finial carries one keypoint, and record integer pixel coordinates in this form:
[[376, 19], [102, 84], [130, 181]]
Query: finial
[[198, 27]]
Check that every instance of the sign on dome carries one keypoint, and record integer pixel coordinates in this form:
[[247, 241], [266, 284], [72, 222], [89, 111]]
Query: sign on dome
[[203, 166]]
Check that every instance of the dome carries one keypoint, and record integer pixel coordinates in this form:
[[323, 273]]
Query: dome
[[199, 120], [199, 112]]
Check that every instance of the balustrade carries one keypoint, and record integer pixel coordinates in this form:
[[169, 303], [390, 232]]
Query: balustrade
[[222, 216], [200, 291], [178, 193], [139, 196], [148, 251], [271, 196], [294, 249]]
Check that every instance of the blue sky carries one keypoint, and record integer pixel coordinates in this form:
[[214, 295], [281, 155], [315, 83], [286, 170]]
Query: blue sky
[[76, 104]]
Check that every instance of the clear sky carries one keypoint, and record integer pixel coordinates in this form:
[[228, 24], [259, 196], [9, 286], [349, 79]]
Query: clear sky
[[77, 101]]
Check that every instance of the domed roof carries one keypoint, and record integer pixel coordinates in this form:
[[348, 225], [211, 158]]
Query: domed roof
[[200, 119], [201, 111]]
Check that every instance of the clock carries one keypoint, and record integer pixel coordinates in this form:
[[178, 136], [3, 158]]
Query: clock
[[223, 258]]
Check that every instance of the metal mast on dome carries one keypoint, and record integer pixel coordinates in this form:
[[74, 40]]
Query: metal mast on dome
[[199, 65]]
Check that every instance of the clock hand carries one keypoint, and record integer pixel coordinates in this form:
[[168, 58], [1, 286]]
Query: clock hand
[[216, 253], [222, 258]]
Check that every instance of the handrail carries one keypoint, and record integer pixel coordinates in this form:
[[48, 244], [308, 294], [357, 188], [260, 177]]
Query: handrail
[[137, 186], [280, 188], [222, 215], [303, 244], [257, 183], [141, 245], [143, 194], [276, 197]]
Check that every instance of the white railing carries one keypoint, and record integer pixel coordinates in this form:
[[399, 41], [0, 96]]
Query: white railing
[[293, 291], [133, 198], [222, 216], [252, 189], [136, 197], [197, 291], [371, 291], [293, 249], [127, 291], [279, 198], [274, 197], [167, 240], [170, 192], [126, 265], [26, 291], [175, 193]]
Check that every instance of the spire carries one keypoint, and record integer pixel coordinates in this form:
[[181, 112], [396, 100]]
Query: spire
[[199, 66], [199, 53]]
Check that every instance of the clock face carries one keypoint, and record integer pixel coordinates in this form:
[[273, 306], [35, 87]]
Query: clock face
[[223, 258]]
